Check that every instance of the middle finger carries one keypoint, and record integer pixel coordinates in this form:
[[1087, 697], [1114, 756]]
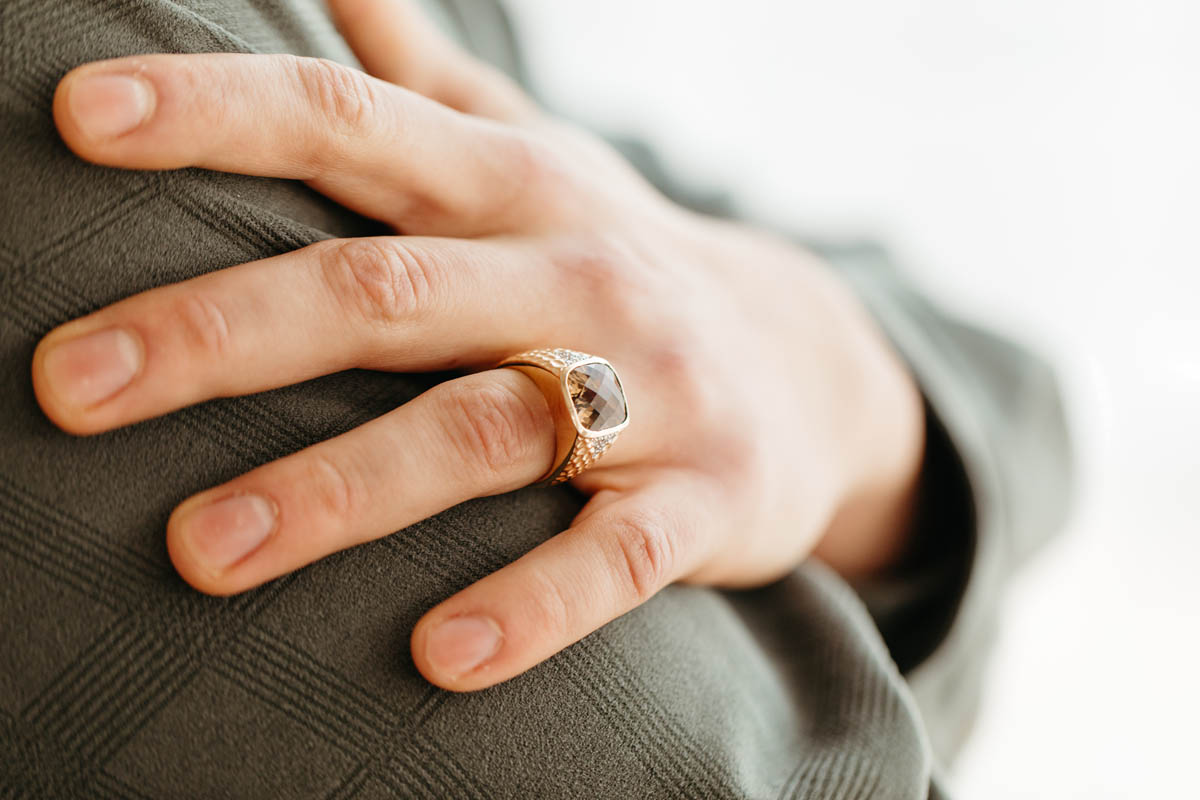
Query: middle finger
[[481, 434], [396, 303]]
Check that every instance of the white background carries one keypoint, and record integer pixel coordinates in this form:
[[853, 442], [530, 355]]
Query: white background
[[1035, 162]]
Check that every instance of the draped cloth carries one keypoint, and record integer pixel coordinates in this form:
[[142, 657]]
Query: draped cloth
[[118, 680]]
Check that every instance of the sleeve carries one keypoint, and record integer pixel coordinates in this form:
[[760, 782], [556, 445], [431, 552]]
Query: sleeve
[[997, 483]]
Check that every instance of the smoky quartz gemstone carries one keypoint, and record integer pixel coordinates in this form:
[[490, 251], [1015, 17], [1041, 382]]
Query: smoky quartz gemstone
[[597, 396]]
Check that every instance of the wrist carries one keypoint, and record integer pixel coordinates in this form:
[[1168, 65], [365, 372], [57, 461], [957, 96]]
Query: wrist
[[885, 423]]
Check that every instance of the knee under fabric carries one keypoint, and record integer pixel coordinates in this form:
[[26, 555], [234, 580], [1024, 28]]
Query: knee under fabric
[[117, 679]]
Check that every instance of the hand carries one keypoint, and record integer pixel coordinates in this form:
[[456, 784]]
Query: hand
[[769, 417]]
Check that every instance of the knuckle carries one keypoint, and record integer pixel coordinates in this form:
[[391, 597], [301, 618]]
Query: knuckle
[[611, 276], [382, 282], [336, 490], [595, 260], [343, 96], [550, 610], [202, 324], [672, 358], [533, 169], [532, 159], [678, 358], [494, 428], [193, 80], [645, 555]]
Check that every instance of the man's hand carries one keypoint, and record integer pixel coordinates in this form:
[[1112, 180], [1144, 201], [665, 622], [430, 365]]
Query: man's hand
[[770, 416]]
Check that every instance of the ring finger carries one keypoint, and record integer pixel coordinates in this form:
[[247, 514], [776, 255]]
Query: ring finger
[[481, 434]]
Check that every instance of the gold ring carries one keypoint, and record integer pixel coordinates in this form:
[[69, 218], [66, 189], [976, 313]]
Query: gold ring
[[587, 401]]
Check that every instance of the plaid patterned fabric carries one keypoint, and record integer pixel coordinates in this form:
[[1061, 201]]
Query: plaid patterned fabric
[[118, 681]]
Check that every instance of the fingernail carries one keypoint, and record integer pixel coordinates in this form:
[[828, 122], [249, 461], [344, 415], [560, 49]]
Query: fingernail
[[460, 644], [81, 372], [225, 532], [107, 106]]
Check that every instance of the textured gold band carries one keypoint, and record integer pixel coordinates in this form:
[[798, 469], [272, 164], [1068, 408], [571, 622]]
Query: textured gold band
[[588, 397]]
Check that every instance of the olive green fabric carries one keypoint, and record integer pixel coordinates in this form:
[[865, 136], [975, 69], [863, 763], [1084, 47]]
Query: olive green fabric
[[117, 680]]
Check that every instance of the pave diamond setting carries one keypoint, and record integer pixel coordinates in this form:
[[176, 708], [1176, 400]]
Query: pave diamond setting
[[596, 396]]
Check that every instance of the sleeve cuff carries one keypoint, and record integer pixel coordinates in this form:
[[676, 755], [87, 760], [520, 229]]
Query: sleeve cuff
[[916, 603]]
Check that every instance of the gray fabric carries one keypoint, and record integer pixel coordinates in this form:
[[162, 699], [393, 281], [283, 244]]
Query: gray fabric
[[117, 680]]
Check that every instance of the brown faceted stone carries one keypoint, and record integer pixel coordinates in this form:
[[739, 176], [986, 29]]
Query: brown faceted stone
[[599, 402]]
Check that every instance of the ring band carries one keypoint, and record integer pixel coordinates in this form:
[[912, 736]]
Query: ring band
[[587, 401]]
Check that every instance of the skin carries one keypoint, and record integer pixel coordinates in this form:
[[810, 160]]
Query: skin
[[770, 419]]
